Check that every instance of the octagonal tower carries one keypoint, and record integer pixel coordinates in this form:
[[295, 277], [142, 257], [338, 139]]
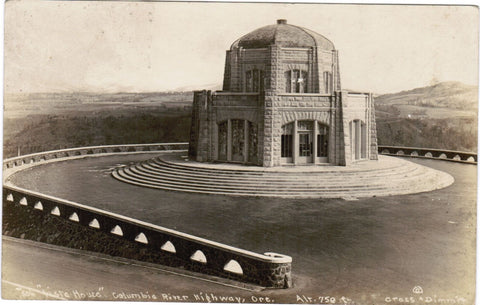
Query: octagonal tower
[[282, 104]]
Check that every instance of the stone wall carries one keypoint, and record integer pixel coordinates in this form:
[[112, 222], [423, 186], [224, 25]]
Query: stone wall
[[199, 130], [295, 59], [42, 218], [290, 107], [272, 110], [268, 130], [238, 62], [227, 74], [337, 134], [313, 60], [210, 109]]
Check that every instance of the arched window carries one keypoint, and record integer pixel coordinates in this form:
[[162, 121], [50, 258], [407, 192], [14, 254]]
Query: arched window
[[296, 81], [222, 140], [252, 142], [287, 141], [237, 141], [254, 81], [358, 139], [322, 140]]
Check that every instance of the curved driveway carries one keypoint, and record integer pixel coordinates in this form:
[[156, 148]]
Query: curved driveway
[[369, 250]]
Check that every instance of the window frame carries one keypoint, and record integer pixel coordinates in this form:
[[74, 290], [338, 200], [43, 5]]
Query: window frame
[[254, 80], [296, 79]]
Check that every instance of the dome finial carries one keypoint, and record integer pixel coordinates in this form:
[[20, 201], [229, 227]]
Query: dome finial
[[281, 21]]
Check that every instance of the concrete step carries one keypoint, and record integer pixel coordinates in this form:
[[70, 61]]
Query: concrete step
[[288, 194], [226, 190], [166, 174], [165, 167], [390, 178], [267, 186], [303, 181], [241, 187], [277, 171]]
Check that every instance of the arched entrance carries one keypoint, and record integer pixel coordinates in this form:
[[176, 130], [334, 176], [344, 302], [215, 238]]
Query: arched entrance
[[237, 141], [304, 142]]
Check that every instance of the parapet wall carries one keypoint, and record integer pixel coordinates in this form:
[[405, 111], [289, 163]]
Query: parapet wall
[[36, 216], [32, 159], [429, 153]]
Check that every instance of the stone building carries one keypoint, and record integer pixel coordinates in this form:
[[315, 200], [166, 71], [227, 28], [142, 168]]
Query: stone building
[[282, 104]]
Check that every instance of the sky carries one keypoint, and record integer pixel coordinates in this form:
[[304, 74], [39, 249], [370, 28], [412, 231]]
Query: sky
[[160, 46]]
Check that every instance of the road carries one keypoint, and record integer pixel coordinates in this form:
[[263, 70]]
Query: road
[[32, 270]]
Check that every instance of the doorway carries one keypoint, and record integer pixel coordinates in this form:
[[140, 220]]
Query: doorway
[[305, 142], [305, 147]]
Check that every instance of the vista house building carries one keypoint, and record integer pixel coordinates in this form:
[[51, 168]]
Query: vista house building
[[282, 104]]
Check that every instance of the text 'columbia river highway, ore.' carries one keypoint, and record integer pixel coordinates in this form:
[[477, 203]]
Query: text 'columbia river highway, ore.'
[[209, 297]]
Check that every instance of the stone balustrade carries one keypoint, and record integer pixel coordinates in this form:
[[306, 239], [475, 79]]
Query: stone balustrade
[[90, 150], [429, 153], [191, 252]]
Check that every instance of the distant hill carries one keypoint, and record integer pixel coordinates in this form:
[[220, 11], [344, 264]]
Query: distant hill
[[212, 87], [20, 105], [453, 95], [441, 116]]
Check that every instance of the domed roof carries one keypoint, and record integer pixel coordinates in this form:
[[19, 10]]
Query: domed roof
[[284, 35]]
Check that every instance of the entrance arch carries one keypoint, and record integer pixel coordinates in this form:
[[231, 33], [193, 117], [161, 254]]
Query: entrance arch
[[304, 142]]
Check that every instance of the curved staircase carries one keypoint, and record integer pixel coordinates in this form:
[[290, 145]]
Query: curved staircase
[[388, 176]]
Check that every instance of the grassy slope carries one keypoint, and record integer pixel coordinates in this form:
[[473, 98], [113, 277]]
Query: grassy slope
[[45, 121], [46, 132], [453, 95], [454, 134], [441, 116]]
